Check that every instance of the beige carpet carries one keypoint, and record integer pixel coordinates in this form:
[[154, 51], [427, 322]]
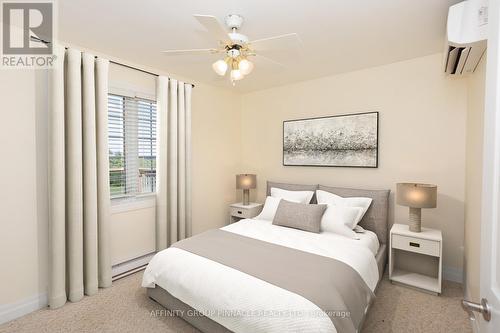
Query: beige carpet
[[126, 308]]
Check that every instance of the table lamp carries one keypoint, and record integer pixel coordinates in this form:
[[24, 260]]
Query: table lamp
[[245, 182], [416, 196]]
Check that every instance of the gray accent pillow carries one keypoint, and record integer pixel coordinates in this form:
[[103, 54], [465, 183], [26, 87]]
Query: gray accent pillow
[[292, 187], [299, 216]]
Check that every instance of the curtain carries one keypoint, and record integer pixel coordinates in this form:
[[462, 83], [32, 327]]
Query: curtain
[[173, 164], [79, 198]]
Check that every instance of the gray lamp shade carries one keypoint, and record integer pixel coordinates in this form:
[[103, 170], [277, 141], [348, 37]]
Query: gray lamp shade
[[246, 181], [416, 195]]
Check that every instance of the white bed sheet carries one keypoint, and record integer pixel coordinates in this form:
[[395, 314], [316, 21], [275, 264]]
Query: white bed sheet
[[266, 231], [243, 303]]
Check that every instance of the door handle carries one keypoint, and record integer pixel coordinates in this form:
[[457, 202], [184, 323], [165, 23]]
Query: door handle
[[482, 308]]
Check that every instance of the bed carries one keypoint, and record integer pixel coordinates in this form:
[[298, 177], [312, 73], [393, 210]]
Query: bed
[[234, 283]]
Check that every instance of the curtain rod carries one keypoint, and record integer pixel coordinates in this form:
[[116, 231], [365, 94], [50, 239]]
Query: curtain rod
[[135, 68], [138, 69]]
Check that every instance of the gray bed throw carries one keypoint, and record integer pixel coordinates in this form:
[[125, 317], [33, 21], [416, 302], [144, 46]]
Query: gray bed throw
[[332, 285]]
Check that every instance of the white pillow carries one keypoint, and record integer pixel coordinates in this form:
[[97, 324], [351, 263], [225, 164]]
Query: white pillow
[[359, 229], [328, 198], [269, 210], [340, 220], [303, 197]]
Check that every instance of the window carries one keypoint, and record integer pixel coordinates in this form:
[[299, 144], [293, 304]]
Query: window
[[132, 145]]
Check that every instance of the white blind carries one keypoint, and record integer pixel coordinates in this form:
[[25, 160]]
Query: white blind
[[132, 145]]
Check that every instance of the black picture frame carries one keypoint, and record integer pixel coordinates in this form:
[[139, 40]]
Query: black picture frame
[[332, 165]]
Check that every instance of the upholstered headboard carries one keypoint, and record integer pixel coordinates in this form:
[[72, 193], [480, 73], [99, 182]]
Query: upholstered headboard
[[376, 217]]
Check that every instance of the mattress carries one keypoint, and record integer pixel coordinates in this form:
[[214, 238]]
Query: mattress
[[208, 286]]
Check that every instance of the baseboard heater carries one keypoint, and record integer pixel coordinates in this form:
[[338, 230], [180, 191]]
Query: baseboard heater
[[131, 266]]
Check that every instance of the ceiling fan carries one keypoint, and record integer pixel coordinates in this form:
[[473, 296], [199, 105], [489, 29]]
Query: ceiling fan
[[237, 48]]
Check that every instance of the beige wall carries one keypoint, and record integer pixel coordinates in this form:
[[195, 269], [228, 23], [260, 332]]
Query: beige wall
[[23, 179], [473, 179], [421, 136], [216, 155], [133, 230]]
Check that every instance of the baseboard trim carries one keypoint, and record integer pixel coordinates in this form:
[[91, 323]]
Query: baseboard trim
[[453, 274], [18, 309]]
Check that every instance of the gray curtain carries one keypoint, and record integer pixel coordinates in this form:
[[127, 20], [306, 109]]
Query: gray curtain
[[79, 199], [173, 163]]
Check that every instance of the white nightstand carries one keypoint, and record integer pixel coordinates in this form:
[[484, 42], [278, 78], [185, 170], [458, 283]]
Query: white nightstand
[[238, 211], [415, 258]]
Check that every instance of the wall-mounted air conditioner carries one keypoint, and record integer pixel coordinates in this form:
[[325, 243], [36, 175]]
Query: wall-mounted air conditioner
[[466, 36]]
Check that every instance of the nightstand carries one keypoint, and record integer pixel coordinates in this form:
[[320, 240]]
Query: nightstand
[[238, 211], [415, 258]]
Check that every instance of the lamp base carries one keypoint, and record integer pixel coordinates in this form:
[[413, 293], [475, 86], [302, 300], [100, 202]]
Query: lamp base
[[246, 197], [415, 219]]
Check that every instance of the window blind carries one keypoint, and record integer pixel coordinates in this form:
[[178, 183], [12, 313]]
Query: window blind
[[132, 145]]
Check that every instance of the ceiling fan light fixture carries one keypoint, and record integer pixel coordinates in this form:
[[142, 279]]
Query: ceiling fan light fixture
[[236, 75], [233, 53], [235, 47], [245, 66], [220, 67]]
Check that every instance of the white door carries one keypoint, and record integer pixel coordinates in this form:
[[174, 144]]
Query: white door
[[490, 224]]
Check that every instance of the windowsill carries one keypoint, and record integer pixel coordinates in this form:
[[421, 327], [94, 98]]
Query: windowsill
[[124, 204]]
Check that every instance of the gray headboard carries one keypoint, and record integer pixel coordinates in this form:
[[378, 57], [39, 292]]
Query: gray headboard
[[376, 217]]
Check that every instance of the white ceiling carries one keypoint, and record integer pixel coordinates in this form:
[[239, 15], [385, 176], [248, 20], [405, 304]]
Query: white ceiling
[[338, 35]]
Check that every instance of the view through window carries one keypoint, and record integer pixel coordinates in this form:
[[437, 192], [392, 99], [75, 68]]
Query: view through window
[[132, 145]]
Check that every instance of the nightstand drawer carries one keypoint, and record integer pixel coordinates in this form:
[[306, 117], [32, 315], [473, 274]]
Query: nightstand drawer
[[412, 244], [239, 212]]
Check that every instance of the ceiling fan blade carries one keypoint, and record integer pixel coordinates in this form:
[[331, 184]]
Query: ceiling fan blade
[[276, 43], [214, 27], [259, 58], [190, 51]]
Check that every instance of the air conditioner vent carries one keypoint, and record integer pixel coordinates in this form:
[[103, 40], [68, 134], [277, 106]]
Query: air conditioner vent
[[466, 36]]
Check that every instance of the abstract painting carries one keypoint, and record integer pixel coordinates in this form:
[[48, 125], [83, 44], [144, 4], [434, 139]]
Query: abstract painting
[[336, 141]]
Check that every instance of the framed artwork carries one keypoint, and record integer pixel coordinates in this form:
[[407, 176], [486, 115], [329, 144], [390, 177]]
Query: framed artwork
[[336, 141]]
